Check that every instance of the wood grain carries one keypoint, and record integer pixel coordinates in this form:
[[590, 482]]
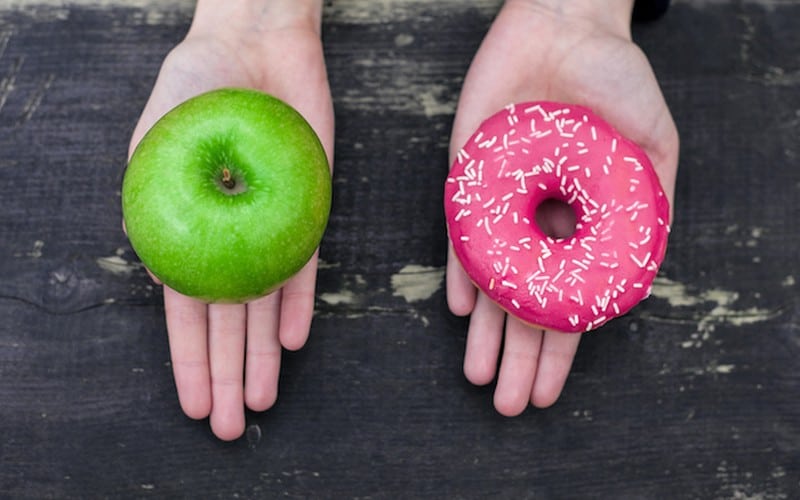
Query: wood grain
[[692, 395]]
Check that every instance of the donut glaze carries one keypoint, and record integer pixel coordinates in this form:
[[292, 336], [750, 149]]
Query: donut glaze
[[534, 151]]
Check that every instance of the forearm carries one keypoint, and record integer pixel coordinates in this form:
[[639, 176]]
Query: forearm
[[248, 16]]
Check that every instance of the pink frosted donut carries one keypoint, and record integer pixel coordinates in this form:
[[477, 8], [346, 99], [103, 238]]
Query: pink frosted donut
[[534, 151]]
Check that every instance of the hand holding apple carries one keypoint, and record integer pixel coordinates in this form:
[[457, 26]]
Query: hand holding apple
[[226, 356], [227, 196]]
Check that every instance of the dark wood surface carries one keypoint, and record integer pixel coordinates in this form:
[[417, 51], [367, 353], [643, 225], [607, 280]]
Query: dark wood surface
[[695, 394]]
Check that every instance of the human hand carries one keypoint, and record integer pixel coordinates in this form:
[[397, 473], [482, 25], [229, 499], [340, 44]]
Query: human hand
[[575, 51], [227, 356]]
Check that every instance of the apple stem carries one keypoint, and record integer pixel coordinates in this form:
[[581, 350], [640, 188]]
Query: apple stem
[[227, 180]]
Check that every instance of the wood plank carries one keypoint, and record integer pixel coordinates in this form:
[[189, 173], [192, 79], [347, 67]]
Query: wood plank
[[692, 395]]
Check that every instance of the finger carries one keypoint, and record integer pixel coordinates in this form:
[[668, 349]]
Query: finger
[[153, 277], [555, 361], [187, 331], [483, 341], [517, 368], [263, 357], [461, 293], [297, 306], [226, 339]]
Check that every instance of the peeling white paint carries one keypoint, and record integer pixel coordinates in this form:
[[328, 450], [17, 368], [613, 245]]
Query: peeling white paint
[[403, 40], [37, 249], [723, 310], [415, 283], [432, 105], [346, 297], [115, 264], [723, 369]]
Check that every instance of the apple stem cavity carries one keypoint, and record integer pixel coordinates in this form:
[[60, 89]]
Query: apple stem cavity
[[230, 183], [227, 180]]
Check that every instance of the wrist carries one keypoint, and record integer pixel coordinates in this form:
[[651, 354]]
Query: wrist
[[613, 16], [237, 18]]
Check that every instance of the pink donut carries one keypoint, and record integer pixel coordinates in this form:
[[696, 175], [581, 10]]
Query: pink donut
[[534, 151]]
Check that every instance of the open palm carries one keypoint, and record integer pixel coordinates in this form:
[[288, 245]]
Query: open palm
[[227, 356], [536, 53]]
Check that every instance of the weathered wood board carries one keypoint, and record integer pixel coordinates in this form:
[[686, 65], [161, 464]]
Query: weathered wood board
[[695, 394]]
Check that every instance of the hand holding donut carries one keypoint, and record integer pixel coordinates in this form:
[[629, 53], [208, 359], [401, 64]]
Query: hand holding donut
[[577, 52]]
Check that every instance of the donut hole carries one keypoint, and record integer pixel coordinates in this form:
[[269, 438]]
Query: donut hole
[[556, 218]]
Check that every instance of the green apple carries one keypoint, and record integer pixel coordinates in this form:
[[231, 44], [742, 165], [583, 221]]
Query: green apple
[[227, 196]]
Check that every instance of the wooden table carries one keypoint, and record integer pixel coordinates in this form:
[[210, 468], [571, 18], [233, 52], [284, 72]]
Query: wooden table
[[695, 394]]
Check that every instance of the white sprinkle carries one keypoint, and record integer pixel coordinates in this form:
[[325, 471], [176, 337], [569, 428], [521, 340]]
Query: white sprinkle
[[462, 213], [486, 226], [515, 303], [580, 264], [508, 284], [536, 107], [464, 238], [614, 145], [488, 143], [641, 263]]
